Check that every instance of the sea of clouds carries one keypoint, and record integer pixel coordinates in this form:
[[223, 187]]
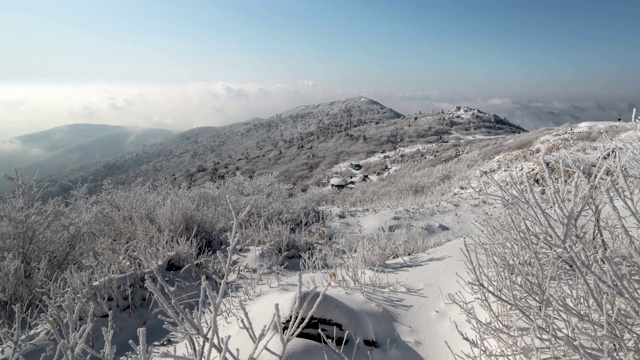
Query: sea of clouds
[[29, 108]]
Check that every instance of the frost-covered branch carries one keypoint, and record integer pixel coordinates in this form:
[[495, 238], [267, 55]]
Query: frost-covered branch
[[557, 275]]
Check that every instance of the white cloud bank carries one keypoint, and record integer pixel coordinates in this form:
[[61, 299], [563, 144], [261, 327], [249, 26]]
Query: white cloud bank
[[29, 108], [531, 114]]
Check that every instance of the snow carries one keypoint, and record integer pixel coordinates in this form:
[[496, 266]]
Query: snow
[[465, 111], [410, 319], [353, 222], [382, 156], [362, 319], [425, 319], [407, 314], [338, 181], [475, 136]]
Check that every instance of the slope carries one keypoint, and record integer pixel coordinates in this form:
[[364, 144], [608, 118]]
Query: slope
[[51, 151], [301, 145]]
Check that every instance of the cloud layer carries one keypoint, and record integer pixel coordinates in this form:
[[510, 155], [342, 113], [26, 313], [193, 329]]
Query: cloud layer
[[29, 108], [25, 109], [529, 113]]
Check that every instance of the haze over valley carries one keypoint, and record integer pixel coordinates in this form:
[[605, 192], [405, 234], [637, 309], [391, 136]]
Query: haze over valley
[[52, 151]]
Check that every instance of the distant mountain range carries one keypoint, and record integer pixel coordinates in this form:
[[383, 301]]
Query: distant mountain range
[[52, 151], [301, 145]]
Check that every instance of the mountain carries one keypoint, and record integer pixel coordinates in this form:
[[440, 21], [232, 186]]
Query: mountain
[[52, 151], [301, 145], [466, 121], [254, 120]]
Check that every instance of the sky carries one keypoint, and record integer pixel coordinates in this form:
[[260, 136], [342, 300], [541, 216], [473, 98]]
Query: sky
[[181, 64]]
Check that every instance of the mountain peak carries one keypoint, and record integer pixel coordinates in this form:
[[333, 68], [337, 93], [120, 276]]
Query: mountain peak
[[358, 106], [465, 111], [301, 145], [472, 121], [363, 100]]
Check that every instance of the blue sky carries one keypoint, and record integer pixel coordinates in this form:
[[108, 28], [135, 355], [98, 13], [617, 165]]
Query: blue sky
[[414, 54]]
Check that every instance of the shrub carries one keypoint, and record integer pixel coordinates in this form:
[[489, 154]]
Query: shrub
[[38, 241], [556, 276]]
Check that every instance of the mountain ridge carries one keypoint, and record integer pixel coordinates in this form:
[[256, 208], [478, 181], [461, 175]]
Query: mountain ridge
[[53, 150], [301, 145]]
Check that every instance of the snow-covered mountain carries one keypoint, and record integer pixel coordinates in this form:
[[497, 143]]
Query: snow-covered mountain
[[376, 271], [301, 145], [55, 150]]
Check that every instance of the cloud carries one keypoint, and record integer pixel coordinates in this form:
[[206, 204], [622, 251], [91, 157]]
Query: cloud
[[29, 108], [14, 153], [531, 114], [499, 101], [536, 114], [11, 146]]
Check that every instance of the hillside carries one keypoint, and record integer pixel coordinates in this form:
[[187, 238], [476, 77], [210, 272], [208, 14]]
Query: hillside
[[301, 145], [52, 151], [403, 267]]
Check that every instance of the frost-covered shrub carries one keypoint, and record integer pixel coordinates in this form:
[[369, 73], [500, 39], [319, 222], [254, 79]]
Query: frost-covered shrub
[[39, 241], [142, 213], [412, 186], [556, 276], [82, 244]]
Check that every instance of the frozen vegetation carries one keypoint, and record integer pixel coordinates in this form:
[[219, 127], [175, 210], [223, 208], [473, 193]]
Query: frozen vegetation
[[490, 242], [301, 146]]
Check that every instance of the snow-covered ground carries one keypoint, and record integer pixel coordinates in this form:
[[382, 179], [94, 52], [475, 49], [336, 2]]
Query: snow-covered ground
[[395, 310], [407, 313], [383, 156]]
